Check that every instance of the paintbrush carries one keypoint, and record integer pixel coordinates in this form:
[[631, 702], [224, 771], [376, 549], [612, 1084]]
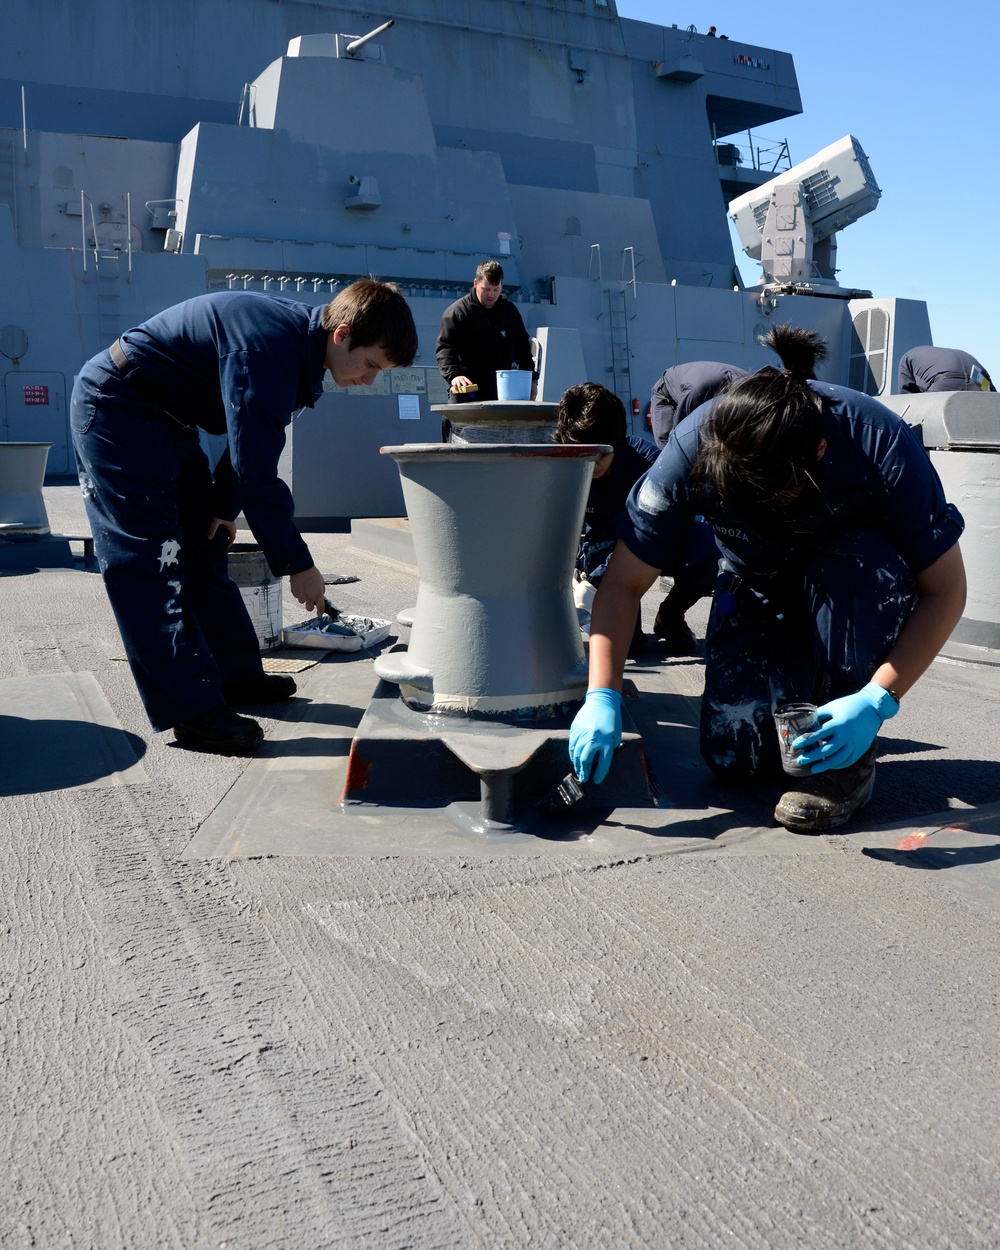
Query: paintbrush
[[331, 610], [337, 617], [565, 795]]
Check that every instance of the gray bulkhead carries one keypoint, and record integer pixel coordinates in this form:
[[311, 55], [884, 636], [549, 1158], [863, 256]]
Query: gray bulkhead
[[139, 167]]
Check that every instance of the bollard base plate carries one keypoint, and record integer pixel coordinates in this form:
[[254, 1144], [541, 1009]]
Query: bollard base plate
[[400, 757]]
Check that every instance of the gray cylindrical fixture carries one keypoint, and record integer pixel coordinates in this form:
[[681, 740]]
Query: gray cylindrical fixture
[[499, 421], [495, 531], [22, 474]]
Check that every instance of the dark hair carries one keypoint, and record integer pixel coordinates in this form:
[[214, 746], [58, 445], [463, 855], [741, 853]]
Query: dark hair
[[590, 413], [490, 272], [762, 436], [377, 316]]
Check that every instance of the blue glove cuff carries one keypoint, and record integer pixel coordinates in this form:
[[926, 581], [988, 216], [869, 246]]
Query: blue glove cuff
[[884, 703], [610, 698]]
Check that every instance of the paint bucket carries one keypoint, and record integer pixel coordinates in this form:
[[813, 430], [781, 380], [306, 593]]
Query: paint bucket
[[261, 592], [513, 384]]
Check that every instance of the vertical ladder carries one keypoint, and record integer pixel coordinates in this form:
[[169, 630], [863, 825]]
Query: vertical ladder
[[621, 355], [109, 316], [8, 181]]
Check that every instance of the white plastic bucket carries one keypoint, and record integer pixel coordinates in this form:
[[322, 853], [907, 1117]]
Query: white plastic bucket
[[261, 592], [513, 384]]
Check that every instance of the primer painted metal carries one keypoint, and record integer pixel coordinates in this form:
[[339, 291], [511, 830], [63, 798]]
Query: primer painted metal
[[150, 154], [486, 776], [495, 530], [22, 473], [498, 421], [961, 431]]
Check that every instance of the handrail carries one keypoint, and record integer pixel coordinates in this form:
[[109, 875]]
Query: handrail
[[630, 252], [594, 247], [128, 230], [248, 100], [84, 200]]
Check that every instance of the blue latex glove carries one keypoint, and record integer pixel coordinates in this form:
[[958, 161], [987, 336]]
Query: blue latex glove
[[848, 728], [594, 734]]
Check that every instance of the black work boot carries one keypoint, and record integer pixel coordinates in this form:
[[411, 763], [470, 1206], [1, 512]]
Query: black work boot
[[267, 688], [220, 731], [671, 626], [825, 800]]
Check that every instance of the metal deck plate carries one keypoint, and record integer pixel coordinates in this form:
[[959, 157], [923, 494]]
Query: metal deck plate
[[59, 731]]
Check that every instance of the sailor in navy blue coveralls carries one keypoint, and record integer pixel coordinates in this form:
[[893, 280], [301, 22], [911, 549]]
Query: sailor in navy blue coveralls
[[234, 363], [809, 610], [606, 506], [683, 388]]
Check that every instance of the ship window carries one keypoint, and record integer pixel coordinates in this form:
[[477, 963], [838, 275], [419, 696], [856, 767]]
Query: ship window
[[869, 340]]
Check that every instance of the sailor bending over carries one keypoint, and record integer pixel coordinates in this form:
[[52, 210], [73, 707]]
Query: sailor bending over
[[233, 363], [841, 579]]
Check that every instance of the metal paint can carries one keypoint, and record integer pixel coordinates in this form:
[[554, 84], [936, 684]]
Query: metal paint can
[[261, 592]]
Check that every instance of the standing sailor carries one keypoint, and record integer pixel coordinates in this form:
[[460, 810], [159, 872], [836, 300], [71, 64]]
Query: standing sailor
[[481, 333]]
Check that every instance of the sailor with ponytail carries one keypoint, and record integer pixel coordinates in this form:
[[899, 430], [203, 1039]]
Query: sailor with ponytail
[[840, 578]]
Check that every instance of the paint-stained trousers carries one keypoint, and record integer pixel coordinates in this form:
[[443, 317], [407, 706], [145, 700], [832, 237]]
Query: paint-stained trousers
[[147, 487], [814, 637]]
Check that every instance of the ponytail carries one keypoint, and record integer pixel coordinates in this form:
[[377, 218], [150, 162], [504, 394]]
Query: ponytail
[[761, 438]]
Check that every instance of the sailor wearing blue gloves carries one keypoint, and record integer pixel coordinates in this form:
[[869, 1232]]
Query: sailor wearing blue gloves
[[840, 579], [595, 732], [848, 728]]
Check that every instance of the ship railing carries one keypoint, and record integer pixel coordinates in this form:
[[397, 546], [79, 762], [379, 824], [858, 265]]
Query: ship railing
[[765, 156], [85, 203]]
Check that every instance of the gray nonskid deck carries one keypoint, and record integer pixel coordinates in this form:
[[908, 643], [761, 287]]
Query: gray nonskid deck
[[690, 1028]]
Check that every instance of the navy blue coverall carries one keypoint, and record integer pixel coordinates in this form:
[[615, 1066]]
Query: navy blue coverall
[[683, 388], [811, 598], [939, 369], [234, 363], [606, 504]]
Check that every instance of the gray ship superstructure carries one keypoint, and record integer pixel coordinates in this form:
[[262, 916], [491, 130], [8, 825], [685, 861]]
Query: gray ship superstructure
[[594, 156]]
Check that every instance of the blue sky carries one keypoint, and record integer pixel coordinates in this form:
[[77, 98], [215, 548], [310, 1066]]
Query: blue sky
[[919, 88]]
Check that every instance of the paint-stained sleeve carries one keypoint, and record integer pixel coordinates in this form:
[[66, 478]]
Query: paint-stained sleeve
[[260, 394], [661, 508]]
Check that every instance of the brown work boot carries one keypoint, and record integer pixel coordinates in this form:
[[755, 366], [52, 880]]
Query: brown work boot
[[825, 800]]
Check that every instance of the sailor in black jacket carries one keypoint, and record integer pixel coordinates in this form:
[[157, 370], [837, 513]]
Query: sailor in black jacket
[[481, 333]]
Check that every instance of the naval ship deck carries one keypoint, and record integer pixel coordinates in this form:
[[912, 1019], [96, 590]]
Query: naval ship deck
[[235, 1013]]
